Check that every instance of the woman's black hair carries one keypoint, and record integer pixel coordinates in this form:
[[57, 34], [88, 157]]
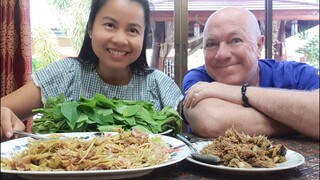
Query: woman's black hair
[[87, 54]]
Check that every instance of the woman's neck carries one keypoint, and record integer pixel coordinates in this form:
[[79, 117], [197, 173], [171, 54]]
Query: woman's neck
[[115, 77]]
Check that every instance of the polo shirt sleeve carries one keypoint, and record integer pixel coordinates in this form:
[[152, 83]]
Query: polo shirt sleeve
[[288, 75], [308, 78], [193, 76]]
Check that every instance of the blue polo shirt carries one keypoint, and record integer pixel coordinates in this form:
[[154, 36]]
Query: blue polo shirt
[[277, 74]]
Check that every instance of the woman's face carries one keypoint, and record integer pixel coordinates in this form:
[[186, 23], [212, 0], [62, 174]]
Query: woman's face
[[117, 34]]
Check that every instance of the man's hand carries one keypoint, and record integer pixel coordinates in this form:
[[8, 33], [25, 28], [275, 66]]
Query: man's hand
[[204, 90], [196, 93]]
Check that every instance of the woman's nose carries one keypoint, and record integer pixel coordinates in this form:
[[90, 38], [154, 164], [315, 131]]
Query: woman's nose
[[119, 38]]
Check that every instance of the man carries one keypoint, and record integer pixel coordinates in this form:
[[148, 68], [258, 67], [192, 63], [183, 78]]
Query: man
[[235, 89]]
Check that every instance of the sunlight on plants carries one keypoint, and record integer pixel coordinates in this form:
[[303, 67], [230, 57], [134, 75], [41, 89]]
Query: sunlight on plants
[[44, 47], [310, 49]]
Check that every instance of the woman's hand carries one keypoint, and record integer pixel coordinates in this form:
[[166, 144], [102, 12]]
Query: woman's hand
[[9, 121]]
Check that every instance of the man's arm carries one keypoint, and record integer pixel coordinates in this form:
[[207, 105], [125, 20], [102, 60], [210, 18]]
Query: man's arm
[[211, 117], [298, 110]]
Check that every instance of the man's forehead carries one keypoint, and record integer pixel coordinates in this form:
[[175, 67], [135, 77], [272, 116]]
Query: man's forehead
[[222, 27]]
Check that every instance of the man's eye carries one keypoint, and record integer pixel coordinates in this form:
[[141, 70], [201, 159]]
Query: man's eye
[[211, 44], [236, 40]]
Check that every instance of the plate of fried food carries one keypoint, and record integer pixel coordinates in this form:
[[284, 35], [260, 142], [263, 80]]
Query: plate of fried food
[[243, 154], [90, 155]]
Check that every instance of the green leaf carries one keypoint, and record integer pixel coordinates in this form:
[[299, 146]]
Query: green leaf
[[108, 119], [95, 117], [163, 110], [82, 118], [69, 110], [104, 101], [56, 112], [60, 124], [130, 121], [159, 117], [111, 128], [52, 101], [105, 112], [118, 117], [144, 115], [130, 110], [141, 128]]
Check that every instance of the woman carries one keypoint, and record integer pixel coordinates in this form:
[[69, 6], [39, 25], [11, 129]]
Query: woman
[[112, 61]]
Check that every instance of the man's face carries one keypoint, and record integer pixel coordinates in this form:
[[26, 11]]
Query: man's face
[[231, 51]]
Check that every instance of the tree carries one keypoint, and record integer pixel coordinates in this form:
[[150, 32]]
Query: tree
[[310, 49], [44, 47], [73, 16]]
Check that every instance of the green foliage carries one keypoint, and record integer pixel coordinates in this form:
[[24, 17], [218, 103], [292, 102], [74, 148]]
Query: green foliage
[[303, 35], [45, 47], [100, 114], [74, 15], [60, 5], [78, 13], [311, 50]]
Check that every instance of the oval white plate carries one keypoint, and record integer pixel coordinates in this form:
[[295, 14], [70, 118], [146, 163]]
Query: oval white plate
[[294, 159], [8, 148]]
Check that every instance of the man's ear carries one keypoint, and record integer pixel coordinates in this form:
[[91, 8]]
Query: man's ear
[[260, 44]]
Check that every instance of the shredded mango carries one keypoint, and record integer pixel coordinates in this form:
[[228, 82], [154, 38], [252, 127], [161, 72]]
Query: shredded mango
[[121, 151]]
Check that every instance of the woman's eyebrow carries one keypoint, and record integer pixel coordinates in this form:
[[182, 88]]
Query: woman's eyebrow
[[108, 18], [137, 25]]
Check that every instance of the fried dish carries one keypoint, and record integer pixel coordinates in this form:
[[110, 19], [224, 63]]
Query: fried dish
[[239, 150], [121, 151]]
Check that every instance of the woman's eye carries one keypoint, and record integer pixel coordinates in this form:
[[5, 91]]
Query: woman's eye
[[110, 25], [133, 30]]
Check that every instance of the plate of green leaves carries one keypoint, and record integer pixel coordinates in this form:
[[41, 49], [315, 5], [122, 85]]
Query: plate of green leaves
[[101, 114]]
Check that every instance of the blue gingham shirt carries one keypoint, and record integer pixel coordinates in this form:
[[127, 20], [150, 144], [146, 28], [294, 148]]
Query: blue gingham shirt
[[72, 78]]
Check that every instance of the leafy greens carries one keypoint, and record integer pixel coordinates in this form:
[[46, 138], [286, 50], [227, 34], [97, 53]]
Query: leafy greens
[[100, 114]]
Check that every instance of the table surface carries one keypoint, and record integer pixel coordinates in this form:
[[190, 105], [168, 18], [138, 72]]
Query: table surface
[[186, 170]]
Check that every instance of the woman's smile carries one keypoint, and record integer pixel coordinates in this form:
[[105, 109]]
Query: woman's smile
[[117, 52]]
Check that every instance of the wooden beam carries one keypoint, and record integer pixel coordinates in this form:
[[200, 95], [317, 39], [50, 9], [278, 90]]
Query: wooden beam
[[298, 14], [195, 48], [195, 38]]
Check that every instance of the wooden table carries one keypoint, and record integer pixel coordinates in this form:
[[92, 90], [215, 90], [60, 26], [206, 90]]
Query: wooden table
[[189, 171]]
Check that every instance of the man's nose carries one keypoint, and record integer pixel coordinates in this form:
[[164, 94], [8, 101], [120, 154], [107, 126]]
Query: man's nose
[[223, 52]]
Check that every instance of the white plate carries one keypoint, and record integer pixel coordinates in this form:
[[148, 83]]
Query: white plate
[[8, 148], [294, 159]]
